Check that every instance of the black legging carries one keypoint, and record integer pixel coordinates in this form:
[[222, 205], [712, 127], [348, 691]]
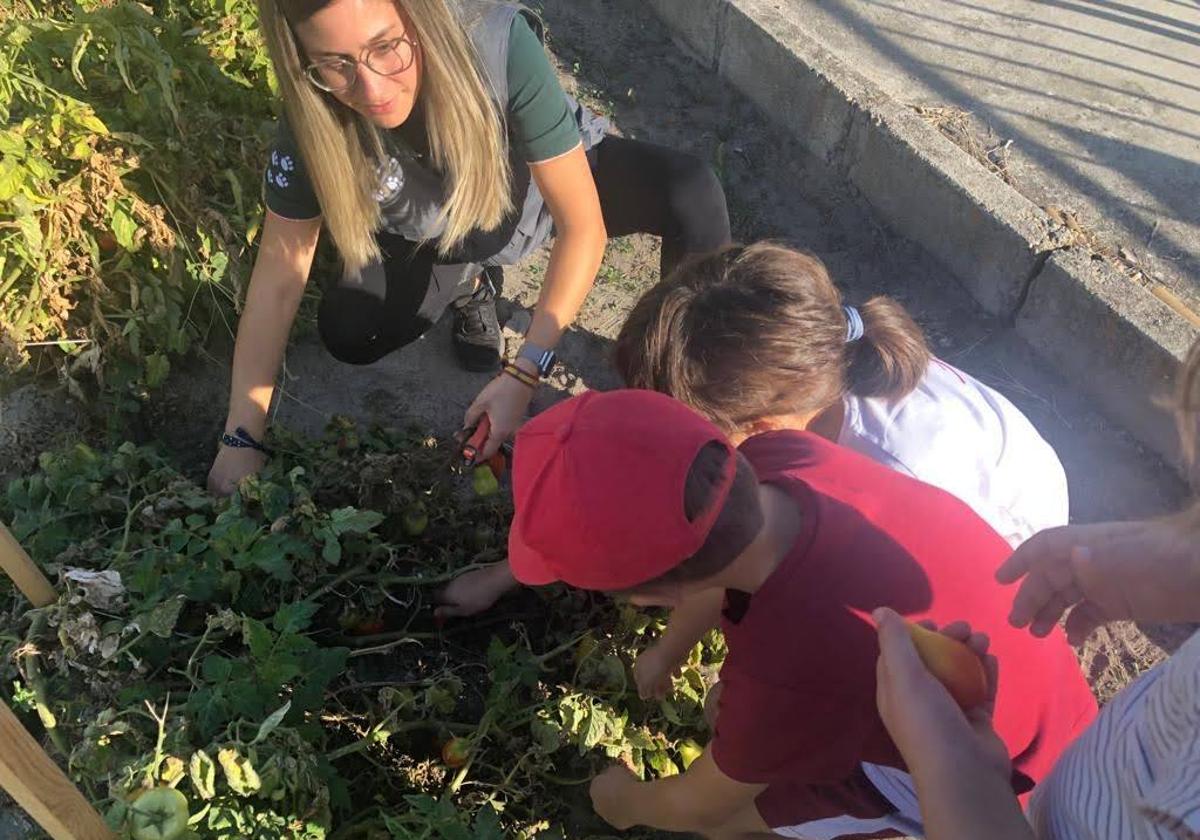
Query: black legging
[[643, 188]]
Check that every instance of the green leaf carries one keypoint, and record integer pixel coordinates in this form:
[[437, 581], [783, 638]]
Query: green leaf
[[81, 45], [487, 825], [162, 619], [277, 672], [258, 638], [12, 143], [662, 764], [12, 177], [272, 722], [331, 551], [157, 368], [350, 520], [240, 774], [270, 554], [216, 668], [545, 735], [31, 228], [123, 227], [294, 617], [593, 730], [276, 500], [203, 773], [93, 124], [671, 712]]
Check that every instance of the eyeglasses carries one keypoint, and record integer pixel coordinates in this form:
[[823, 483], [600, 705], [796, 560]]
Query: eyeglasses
[[337, 75]]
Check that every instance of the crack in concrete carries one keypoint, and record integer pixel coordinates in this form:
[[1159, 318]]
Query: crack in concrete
[[1039, 265], [1056, 237]]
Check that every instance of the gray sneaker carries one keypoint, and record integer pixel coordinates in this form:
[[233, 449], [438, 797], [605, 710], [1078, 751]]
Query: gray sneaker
[[478, 341]]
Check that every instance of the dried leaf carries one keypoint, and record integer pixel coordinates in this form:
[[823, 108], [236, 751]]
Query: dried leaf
[[240, 774], [203, 773]]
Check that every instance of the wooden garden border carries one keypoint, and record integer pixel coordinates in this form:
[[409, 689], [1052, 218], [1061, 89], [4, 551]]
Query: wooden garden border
[[27, 773]]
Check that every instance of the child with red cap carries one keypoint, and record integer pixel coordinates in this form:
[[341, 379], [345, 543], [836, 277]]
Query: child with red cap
[[787, 544]]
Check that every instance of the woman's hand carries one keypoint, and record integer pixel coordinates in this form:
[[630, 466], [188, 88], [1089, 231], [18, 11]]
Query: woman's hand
[[920, 715], [960, 766], [1144, 571], [504, 400], [231, 466]]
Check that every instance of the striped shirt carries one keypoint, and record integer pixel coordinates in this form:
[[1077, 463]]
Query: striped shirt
[[1135, 773]]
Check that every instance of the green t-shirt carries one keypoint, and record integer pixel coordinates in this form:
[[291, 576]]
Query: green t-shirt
[[540, 123]]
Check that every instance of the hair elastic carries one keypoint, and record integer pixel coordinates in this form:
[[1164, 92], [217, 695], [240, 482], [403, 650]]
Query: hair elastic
[[854, 324]]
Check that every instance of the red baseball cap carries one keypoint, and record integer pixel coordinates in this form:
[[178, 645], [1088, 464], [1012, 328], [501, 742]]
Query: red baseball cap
[[598, 486]]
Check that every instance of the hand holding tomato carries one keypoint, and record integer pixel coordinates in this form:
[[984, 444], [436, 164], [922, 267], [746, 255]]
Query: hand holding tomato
[[928, 726]]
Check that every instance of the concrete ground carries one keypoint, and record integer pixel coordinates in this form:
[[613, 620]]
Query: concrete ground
[[1098, 99]]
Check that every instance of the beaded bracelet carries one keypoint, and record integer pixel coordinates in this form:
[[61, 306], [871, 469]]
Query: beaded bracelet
[[241, 439], [527, 379]]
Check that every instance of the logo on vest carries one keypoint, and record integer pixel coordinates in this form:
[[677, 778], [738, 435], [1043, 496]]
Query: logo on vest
[[279, 172], [391, 181]]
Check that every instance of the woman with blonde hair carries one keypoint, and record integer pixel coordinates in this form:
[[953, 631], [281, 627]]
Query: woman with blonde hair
[[434, 143]]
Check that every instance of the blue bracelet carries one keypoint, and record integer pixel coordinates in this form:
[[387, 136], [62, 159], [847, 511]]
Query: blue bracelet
[[241, 439]]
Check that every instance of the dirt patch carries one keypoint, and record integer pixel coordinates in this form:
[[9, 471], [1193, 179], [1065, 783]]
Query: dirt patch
[[33, 419]]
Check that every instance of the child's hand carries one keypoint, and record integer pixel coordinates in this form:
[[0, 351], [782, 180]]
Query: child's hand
[[1145, 571], [653, 671], [609, 795], [474, 591], [928, 727]]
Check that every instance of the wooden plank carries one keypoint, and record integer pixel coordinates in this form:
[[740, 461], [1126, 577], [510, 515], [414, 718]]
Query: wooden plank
[[32, 778], [24, 572]]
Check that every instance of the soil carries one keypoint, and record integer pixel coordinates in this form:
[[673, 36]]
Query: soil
[[619, 59]]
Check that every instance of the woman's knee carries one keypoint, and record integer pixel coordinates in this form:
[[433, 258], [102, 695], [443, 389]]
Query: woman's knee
[[349, 325], [697, 202]]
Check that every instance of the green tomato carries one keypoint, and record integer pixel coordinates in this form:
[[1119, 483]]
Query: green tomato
[[689, 751], [415, 521], [481, 537], [159, 814], [484, 481]]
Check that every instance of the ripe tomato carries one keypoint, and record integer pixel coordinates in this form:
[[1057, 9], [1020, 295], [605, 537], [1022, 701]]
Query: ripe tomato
[[455, 753]]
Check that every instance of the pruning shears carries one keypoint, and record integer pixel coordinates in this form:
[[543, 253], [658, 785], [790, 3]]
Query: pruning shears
[[474, 443]]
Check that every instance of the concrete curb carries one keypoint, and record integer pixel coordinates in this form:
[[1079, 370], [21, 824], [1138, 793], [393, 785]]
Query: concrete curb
[[1078, 314]]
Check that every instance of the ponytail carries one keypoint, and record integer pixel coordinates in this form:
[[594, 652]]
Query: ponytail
[[891, 357], [759, 331]]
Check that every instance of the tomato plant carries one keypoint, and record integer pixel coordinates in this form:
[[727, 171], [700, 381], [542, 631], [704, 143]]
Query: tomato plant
[[272, 661], [129, 169]]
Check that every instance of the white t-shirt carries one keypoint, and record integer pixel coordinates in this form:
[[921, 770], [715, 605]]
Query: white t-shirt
[[1134, 774], [956, 433]]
